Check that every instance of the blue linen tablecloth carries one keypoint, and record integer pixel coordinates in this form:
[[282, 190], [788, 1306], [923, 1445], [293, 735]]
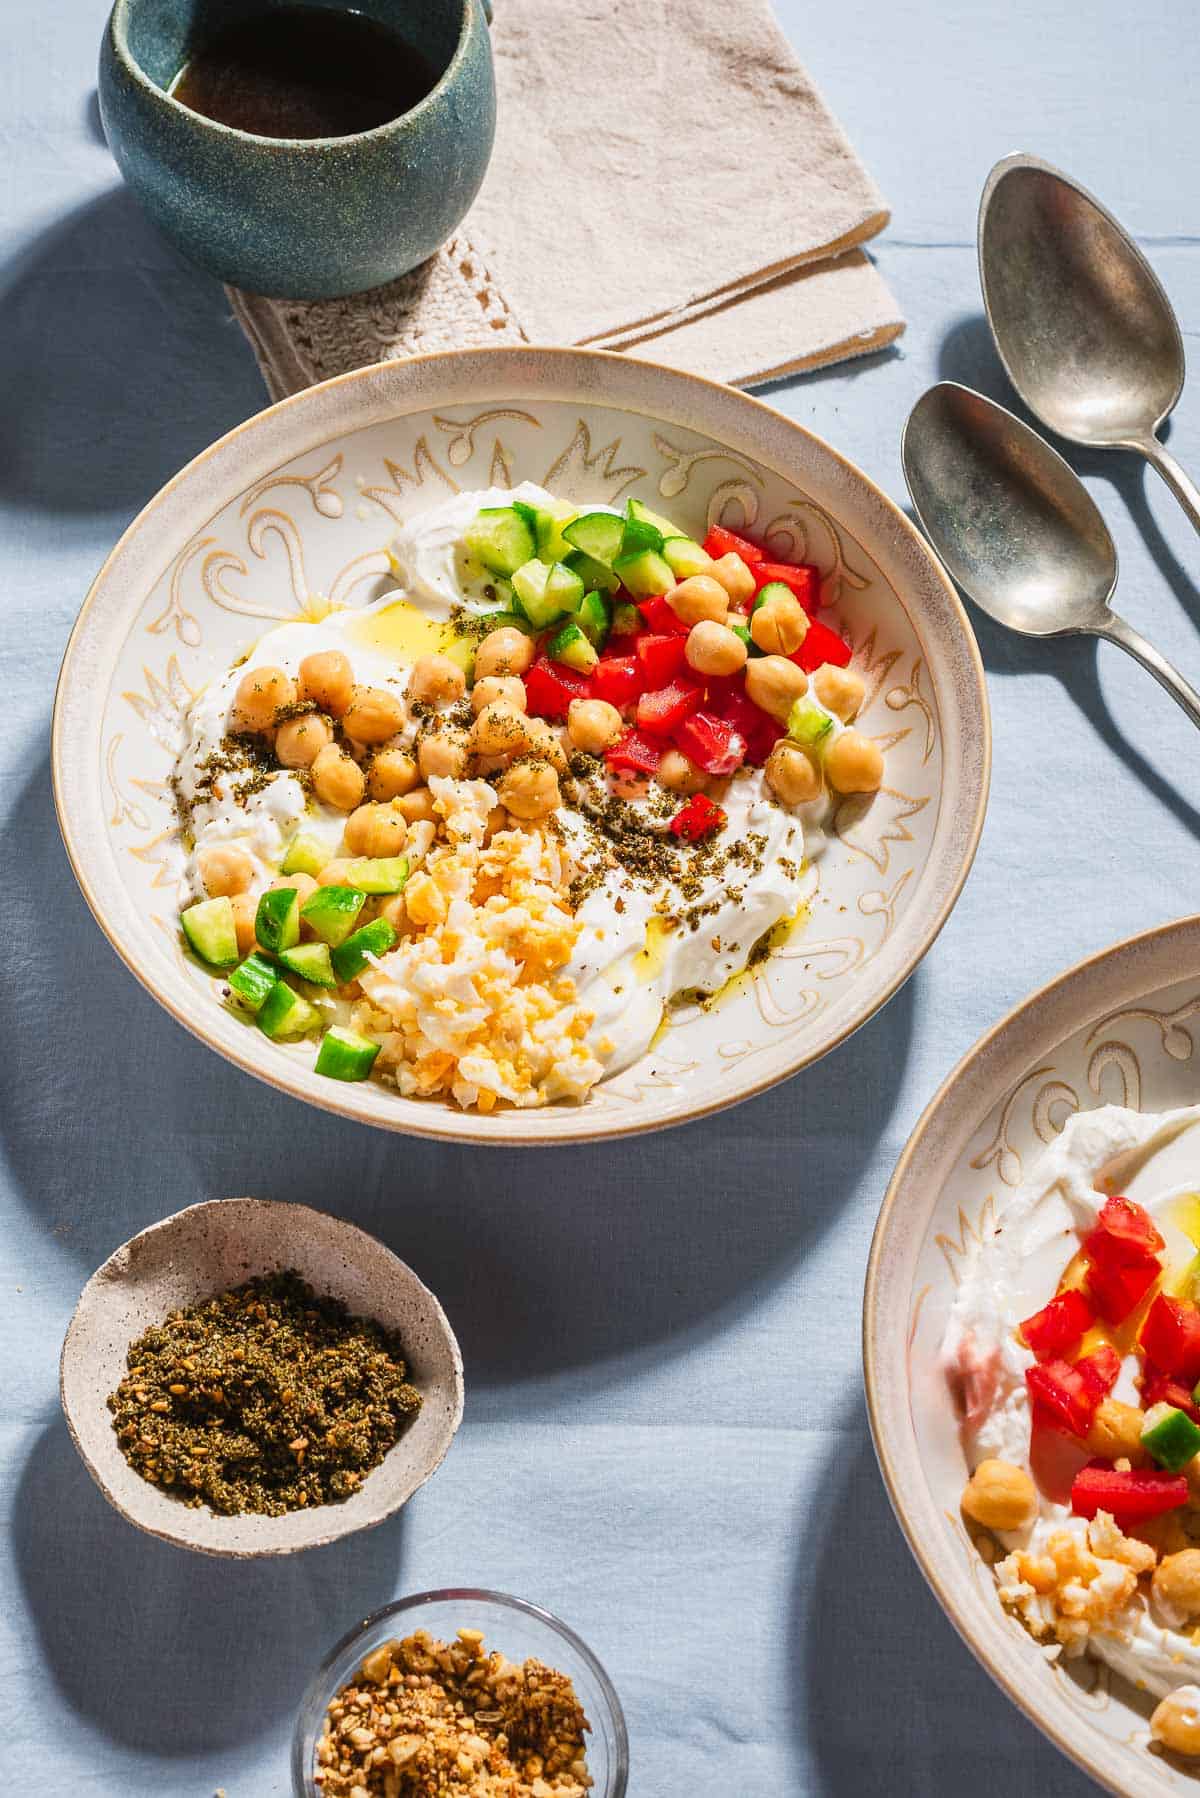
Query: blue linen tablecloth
[[665, 1439]]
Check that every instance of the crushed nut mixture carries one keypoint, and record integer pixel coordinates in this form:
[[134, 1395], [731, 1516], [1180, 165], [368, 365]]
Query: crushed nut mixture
[[426, 1719]]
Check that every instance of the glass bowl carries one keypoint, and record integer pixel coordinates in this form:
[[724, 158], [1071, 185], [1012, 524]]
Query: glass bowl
[[518, 1629]]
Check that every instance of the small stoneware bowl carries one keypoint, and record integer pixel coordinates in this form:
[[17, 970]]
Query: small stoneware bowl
[[299, 218], [205, 1250]]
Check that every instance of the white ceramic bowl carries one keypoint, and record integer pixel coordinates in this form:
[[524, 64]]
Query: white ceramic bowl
[[303, 500], [1118, 1029], [204, 1250]]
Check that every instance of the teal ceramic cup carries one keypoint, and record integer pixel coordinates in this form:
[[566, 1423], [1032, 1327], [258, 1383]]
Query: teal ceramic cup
[[300, 218]]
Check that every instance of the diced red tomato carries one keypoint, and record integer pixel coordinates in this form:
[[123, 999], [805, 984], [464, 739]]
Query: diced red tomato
[[1117, 1291], [821, 645], [1065, 1394], [720, 543], [1100, 1369], [617, 679], [1058, 1327], [633, 750], [661, 619], [711, 743], [1130, 1497], [1170, 1338], [1160, 1389], [1124, 1231], [727, 699], [695, 819], [551, 686], [660, 659], [660, 712], [804, 581]]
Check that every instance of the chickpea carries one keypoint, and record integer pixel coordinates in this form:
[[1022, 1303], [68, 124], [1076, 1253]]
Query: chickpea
[[335, 873], [417, 807], [547, 742], [375, 830], [443, 752], [436, 680], [699, 599], [593, 724], [392, 772], [261, 695], [508, 687], [299, 742], [1000, 1496], [303, 885], [791, 775], [499, 730], [225, 870], [506, 651], [338, 779], [1116, 1430], [734, 576], [780, 625], [328, 680], [1176, 1586], [714, 649], [678, 773], [775, 684], [839, 690], [374, 714], [853, 764], [1176, 1721], [529, 790], [245, 915]]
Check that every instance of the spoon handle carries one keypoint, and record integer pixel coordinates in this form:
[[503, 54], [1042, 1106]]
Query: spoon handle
[[1177, 478], [1117, 631]]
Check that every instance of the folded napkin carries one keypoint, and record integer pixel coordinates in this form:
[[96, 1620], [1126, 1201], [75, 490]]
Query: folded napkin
[[665, 179]]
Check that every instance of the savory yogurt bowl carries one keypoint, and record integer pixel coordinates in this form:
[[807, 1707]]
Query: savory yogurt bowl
[[1029, 1364], [337, 523]]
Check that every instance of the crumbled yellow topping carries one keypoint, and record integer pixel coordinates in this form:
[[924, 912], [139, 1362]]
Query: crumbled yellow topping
[[1080, 1580]]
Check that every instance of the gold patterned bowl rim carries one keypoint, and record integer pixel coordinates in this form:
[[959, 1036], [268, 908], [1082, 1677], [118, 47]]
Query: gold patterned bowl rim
[[641, 388], [1107, 981]]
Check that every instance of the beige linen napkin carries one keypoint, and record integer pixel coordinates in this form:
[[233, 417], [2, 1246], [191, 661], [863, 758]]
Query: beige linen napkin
[[665, 178]]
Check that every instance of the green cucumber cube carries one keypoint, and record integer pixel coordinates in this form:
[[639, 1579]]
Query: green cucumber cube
[[311, 961], [331, 912], [644, 573], [1170, 1436], [594, 619], [283, 1014], [597, 534], [596, 576], [684, 557], [252, 981], [277, 921], [461, 651], [807, 724], [637, 537], [501, 538], [572, 649], [772, 590], [626, 619], [344, 1055], [552, 546], [377, 873], [210, 930], [529, 591], [643, 515], [505, 620], [350, 957], [305, 855]]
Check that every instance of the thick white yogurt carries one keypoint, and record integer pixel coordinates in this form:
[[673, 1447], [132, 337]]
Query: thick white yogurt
[[1153, 1158]]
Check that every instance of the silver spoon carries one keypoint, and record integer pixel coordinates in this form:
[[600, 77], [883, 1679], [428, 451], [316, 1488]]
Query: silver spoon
[[1017, 528], [1084, 329]]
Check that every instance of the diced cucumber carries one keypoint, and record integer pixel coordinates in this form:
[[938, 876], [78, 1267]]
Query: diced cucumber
[[637, 537], [807, 724], [253, 980], [597, 534], [626, 619], [636, 510], [772, 590], [344, 1055], [378, 873], [210, 930], [350, 957], [644, 574], [461, 650], [572, 649], [593, 574], [552, 546], [594, 619], [311, 961], [1170, 1436], [545, 590], [277, 921], [283, 1013], [741, 631], [501, 538], [684, 557], [505, 620], [528, 513], [305, 855], [331, 912]]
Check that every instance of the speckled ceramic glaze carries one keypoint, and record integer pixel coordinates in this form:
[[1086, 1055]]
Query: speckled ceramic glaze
[[205, 1250], [293, 218]]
